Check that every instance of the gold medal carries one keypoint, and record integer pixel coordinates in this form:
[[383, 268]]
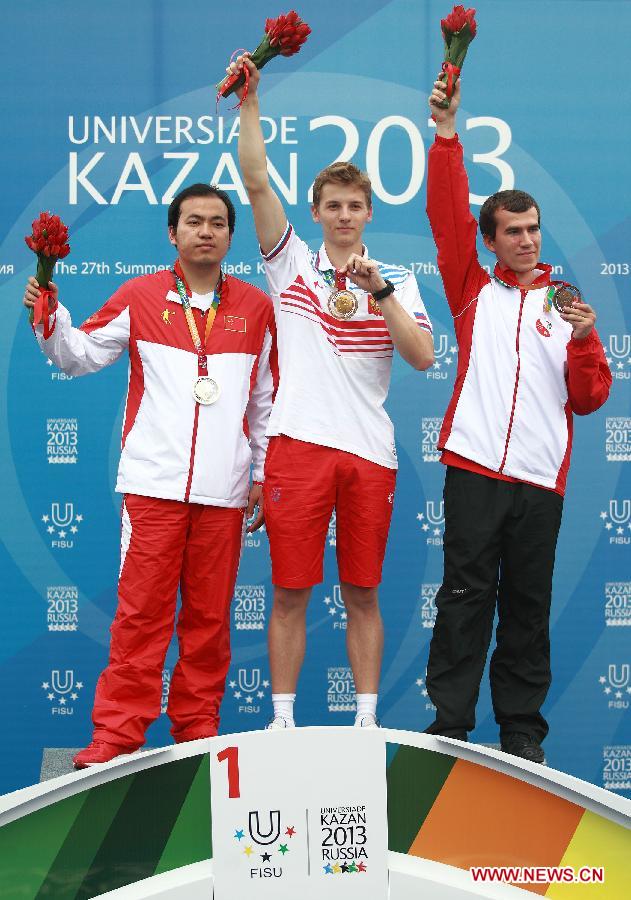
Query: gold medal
[[343, 304], [206, 390]]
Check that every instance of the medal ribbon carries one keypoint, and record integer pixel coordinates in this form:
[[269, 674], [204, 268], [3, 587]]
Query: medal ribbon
[[340, 280], [233, 79], [182, 289]]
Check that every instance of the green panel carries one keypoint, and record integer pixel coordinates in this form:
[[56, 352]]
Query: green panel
[[84, 839], [191, 838], [415, 778], [28, 846], [137, 837]]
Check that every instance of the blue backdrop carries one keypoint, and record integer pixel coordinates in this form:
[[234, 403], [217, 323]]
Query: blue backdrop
[[108, 109]]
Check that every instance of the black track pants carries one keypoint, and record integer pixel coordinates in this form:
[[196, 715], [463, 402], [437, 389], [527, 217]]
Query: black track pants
[[500, 541]]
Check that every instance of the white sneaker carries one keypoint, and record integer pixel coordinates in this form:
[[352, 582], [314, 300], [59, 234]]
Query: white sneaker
[[367, 721], [278, 723]]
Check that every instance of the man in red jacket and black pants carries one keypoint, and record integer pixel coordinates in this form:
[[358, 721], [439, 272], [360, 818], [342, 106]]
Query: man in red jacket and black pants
[[526, 363]]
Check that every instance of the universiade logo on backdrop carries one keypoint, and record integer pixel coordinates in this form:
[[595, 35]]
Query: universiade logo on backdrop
[[430, 426], [62, 691], [619, 356], [618, 603], [254, 540], [62, 523], [618, 438], [248, 607], [335, 608], [166, 687], [616, 520], [332, 531], [432, 522], [428, 604], [62, 613], [617, 767], [340, 695], [616, 686], [62, 442], [248, 689], [445, 358], [269, 846]]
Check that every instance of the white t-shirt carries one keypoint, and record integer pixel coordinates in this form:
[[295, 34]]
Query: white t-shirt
[[334, 373]]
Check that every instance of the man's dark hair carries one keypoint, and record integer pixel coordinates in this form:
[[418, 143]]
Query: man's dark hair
[[512, 201], [200, 190]]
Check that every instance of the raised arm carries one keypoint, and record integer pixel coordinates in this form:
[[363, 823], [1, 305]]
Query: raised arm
[[269, 216], [453, 226], [98, 343]]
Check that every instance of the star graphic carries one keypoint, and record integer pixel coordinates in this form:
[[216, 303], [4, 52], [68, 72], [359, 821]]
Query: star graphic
[[283, 849], [232, 684], [437, 365], [609, 360], [603, 515], [344, 616], [79, 685], [327, 600], [62, 701], [50, 696], [78, 518], [448, 360], [266, 684], [361, 867], [328, 870], [260, 694], [453, 349], [619, 530], [336, 869], [291, 831], [620, 365], [49, 362], [607, 690], [424, 693], [45, 518], [437, 531], [45, 685], [73, 529], [62, 533], [51, 529], [344, 868], [332, 542], [425, 526], [332, 611], [608, 526], [237, 695], [419, 681], [266, 857], [248, 852], [239, 834], [74, 696], [420, 516], [352, 867], [249, 700], [629, 690], [618, 695]]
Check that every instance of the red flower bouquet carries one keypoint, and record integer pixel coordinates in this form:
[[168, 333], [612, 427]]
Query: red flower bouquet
[[459, 29], [283, 36], [49, 240]]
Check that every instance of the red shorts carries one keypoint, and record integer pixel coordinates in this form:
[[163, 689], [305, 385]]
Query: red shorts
[[303, 484]]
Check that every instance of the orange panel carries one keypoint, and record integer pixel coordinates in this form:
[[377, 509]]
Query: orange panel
[[482, 817]]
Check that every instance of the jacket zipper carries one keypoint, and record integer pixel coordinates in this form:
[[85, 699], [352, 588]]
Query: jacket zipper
[[512, 412]]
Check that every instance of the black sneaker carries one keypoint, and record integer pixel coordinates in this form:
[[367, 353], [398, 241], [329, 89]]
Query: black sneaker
[[519, 744]]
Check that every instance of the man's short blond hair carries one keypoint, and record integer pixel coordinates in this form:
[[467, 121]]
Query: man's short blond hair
[[342, 173]]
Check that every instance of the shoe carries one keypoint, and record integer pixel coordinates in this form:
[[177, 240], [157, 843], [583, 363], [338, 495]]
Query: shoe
[[98, 752], [278, 723], [523, 745], [368, 721]]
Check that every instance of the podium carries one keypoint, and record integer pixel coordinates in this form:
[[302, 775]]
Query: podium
[[382, 815]]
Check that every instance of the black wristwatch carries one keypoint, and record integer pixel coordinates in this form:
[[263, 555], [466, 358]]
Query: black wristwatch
[[384, 292]]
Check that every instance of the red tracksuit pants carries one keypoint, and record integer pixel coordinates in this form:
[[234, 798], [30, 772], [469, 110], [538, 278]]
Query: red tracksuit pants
[[164, 544]]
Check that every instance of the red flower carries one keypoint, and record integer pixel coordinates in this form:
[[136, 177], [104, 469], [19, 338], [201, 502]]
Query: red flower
[[49, 237], [456, 21], [288, 33]]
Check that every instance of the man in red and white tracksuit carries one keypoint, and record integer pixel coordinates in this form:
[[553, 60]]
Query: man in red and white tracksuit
[[202, 356], [523, 369]]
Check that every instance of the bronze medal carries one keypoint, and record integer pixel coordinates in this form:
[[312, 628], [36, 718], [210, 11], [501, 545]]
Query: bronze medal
[[343, 304], [564, 295]]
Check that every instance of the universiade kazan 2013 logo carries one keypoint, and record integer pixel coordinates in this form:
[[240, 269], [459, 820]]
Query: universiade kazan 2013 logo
[[271, 845]]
